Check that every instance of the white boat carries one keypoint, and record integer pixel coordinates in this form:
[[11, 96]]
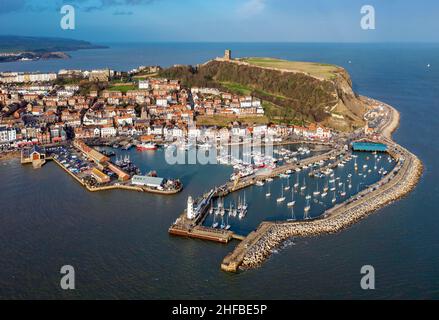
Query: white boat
[[292, 202], [281, 198], [303, 187], [324, 194], [334, 198], [293, 217], [296, 185], [343, 193], [306, 210], [260, 183], [317, 192], [268, 194], [288, 186]]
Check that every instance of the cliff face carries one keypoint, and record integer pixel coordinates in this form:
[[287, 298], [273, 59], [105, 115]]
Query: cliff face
[[288, 96], [349, 110]]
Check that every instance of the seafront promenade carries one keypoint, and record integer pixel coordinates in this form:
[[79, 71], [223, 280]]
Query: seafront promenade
[[257, 247]]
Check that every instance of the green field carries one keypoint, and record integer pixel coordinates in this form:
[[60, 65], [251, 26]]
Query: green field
[[319, 70], [122, 88]]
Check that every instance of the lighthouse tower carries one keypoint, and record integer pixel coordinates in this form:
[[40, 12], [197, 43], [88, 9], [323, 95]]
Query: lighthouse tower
[[190, 208]]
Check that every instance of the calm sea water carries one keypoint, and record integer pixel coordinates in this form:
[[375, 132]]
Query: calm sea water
[[118, 241]]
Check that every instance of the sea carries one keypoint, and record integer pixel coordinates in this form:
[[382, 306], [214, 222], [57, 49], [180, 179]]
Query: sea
[[117, 241]]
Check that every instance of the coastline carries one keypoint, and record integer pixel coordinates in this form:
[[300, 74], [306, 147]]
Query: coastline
[[259, 245]]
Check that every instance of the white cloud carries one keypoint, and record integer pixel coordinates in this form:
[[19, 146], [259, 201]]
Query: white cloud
[[252, 7]]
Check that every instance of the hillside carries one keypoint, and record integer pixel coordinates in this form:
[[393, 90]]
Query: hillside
[[292, 92]]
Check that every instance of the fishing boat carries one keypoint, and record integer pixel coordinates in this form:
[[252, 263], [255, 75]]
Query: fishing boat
[[281, 198], [292, 202]]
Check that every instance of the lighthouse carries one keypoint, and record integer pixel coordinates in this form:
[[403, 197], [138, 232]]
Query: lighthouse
[[190, 208]]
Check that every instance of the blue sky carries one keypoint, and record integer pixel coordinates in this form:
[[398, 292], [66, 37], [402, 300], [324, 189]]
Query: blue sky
[[225, 20]]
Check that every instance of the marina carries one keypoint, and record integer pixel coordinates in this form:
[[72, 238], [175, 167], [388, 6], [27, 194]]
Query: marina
[[353, 178]]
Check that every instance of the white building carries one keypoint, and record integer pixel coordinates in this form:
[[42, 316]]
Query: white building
[[108, 132], [144, 84], [162, 102], [7, 135]]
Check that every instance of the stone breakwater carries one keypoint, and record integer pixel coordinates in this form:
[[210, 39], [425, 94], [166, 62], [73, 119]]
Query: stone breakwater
[[339, 217]]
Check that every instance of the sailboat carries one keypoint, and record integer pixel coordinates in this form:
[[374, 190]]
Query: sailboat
[[343, 193], [326, 188], [268, 194], [281, 198], [293, 217], [334, 198], [288, 185], [304, 185], [211, 207], [292, 203], [234, 212], [306, 209], [317, 192], [243, 208], [228, 226], [222, 226], [296, 185], [244, 203], [214, 224]]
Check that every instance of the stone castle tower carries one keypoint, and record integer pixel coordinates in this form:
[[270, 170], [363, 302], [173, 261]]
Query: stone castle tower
[[228, 54]]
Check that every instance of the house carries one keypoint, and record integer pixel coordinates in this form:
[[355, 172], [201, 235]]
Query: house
[[108, 131]]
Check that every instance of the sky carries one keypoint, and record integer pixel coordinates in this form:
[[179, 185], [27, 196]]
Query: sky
[[103, 21]]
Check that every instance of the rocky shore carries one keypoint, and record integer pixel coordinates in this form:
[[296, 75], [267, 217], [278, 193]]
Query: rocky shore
[[9, 155]]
